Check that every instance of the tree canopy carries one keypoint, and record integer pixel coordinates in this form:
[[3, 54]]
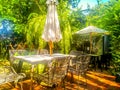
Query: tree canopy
[[28, 17]]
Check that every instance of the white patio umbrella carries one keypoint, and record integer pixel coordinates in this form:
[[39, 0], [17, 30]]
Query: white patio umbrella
[[91, 30], [52, 31]]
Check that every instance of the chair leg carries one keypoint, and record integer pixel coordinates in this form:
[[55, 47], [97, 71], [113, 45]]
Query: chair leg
[[85, 76], [78, 82], [63, 82], [15, 83], [85, 80], [71, 78], [21, 85]]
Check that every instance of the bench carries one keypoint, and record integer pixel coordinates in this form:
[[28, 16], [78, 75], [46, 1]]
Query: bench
[[8, 74]]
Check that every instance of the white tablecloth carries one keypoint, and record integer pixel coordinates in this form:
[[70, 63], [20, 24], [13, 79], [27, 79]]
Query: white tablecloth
[[46, 58]]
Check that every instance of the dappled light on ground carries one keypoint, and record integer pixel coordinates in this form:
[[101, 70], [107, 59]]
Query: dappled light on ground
[[104, 79], [95, 81], [99, 80]]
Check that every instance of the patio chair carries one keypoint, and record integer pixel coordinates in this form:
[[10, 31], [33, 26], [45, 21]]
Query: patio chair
[[54, 74], [16, 64], [80, 67], [76, 53], [73, 61], [61, 70], [40, 67], [8, 74], [42, 51]]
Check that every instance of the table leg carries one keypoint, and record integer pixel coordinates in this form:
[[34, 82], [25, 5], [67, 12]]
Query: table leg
[[31, 75]]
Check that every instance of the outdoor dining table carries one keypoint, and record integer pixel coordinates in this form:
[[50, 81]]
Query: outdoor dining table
[[41, 59]]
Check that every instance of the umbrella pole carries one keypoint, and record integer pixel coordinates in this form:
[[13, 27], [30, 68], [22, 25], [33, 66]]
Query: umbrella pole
[[90, 43], [51, 47]]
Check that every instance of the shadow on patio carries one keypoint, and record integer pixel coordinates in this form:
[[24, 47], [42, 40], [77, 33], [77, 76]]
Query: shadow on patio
[[95, 81]]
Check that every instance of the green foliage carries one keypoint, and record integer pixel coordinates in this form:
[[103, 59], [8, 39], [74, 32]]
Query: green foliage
[[29, 18], [63, 14], [77, 20], [34, 29], [107, 16]]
